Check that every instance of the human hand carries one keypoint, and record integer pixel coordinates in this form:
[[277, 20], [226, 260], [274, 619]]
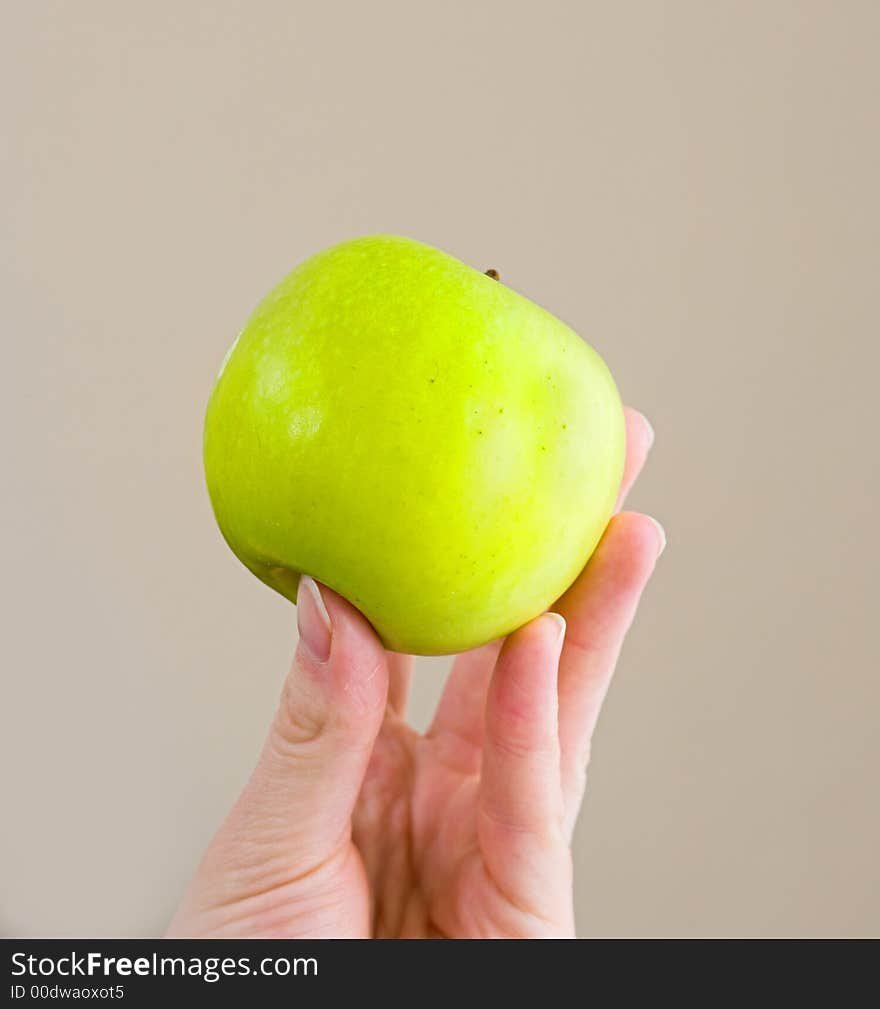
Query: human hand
[[354, 825]]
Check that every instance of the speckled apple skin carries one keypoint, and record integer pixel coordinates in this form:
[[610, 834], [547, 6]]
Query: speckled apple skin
[[432, 445]]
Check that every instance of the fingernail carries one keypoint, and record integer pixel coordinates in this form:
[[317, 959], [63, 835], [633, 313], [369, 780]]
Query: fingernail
[[661, 532], [312, 619], [559, 620], [650, 428]]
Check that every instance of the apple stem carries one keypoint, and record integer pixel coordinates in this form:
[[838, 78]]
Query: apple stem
[[493, 273]]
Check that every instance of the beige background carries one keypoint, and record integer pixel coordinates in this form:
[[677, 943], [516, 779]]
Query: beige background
[[693, 186]]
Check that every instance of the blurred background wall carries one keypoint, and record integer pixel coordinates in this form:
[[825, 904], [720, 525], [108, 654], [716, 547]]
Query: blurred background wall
[[693, 186]]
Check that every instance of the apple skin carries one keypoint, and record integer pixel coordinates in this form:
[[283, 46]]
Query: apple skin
[[435, 447]]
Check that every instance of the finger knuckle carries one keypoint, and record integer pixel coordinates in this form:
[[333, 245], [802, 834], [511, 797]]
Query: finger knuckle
[[300, 720]]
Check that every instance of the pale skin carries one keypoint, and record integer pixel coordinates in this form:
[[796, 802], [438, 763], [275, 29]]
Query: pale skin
[[354, 825]]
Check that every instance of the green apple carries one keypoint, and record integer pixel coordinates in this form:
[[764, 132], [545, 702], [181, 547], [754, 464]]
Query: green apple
[[413, 433]]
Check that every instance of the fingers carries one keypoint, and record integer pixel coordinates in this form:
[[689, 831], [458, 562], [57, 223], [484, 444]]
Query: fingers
[[599, 609], [461, 708], [519, 787], [295, 810], [639, 439], [460, 716], [400, 669]]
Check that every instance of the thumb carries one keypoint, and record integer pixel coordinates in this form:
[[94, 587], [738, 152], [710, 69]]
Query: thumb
[[295, 811]]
